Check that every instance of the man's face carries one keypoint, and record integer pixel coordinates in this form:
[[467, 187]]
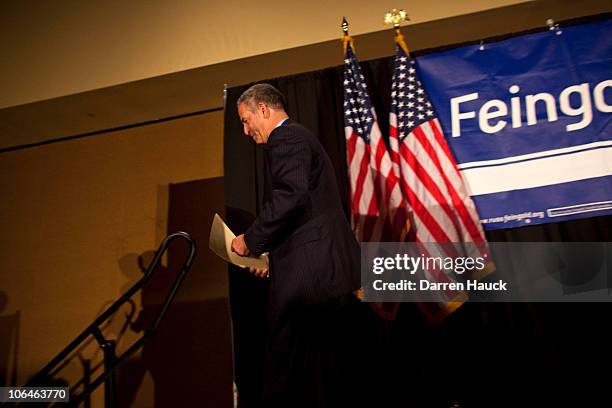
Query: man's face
[[253, 123]]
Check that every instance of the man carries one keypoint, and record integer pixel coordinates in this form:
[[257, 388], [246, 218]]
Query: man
[[314, 261]]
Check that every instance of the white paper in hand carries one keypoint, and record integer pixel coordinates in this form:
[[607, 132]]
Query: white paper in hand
[[220, 242]]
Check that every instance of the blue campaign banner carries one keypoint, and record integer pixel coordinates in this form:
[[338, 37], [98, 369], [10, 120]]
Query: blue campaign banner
[[528, 120]]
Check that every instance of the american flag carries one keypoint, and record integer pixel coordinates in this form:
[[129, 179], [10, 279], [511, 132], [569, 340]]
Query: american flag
[[377, 205], [441, 209]]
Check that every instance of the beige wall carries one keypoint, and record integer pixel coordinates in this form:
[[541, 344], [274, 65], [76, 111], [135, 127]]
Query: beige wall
[[75, 215], [55, 48]]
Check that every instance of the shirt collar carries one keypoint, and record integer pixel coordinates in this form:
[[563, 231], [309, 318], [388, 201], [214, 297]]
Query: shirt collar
[[281, 122]]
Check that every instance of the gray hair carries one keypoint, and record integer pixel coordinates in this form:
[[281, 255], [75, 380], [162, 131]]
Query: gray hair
[[262, 93]]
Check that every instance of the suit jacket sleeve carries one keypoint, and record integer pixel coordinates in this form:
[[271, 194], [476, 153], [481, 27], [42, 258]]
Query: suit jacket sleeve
[[290, 159]]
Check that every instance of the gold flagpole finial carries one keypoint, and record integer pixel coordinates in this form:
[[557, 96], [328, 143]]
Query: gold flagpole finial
[[344, 26], [396, 17], [346, 38]]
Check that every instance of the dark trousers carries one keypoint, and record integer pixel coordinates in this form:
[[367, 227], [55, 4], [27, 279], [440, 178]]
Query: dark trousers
[[313, 356]]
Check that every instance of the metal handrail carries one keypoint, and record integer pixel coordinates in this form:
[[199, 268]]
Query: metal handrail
[[112, 362]]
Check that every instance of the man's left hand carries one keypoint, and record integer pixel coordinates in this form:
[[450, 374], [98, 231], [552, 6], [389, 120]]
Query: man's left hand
[[260, 273], [239, 246]]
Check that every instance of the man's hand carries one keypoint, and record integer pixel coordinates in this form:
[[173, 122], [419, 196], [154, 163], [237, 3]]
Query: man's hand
[[260, 273], [239, 246]]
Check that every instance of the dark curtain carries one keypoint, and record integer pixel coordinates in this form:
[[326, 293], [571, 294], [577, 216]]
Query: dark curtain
[[497, 354]]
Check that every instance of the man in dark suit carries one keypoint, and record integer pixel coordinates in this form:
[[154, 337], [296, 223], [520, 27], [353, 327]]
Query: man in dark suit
[[314, 260]]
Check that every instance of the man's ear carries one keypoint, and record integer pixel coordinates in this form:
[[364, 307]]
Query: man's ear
[[264, 109]]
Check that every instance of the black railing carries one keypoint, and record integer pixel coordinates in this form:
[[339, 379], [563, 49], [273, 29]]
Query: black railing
[[111, 360]]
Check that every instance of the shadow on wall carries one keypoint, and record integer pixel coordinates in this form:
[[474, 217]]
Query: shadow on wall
[[132, 373], [9, 342], [180, 353], [87, 358]]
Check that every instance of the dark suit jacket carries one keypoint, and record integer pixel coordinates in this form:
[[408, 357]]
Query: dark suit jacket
[[314, 255]]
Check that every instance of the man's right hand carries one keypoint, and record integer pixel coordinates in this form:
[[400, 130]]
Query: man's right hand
[[239, 246], [260, 273]]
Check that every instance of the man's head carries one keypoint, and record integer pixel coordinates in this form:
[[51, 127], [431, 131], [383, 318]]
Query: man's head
[[260, 108]]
